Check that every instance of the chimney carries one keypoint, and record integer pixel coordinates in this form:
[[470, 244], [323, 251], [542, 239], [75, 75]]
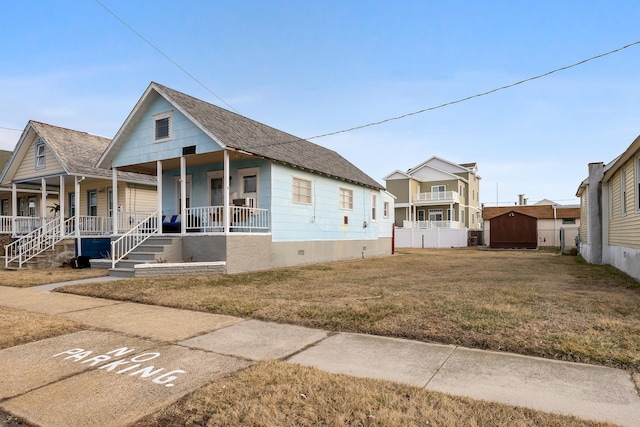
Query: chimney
[[521, 199]]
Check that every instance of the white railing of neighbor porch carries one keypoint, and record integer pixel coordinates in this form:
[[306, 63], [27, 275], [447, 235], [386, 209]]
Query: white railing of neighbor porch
[[36, 242], [5, 224], [126, 243]]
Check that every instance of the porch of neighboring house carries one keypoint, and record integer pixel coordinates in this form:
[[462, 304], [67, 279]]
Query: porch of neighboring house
[[430, 210]]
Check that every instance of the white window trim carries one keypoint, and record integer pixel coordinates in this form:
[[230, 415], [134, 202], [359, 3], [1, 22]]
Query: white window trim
[[623, 191], [374, 207], [350, 205], [385, 209], [160, 116], [38, 166], [293, 193], [637, 184], [248, 172]]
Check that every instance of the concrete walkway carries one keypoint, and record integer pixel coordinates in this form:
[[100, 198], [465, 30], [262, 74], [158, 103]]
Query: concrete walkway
[[137, 358]]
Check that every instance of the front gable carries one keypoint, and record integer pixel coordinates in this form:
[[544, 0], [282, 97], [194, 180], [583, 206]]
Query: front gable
[[141, 144], [429, 174], [32, 158]]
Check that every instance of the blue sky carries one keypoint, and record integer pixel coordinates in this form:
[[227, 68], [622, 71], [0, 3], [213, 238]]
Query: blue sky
[[315, 67]]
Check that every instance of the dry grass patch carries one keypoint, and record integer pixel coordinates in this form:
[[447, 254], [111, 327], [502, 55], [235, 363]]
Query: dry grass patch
[[27, 278], [532, 303], [276, 393], [21, 326]]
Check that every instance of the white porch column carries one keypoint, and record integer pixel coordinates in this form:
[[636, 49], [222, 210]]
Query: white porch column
[[453, 215], [61, 205], [159, 193], [226, 212], [183, 194], [114, 201], [43, 200], [76, 218], [14, 210]]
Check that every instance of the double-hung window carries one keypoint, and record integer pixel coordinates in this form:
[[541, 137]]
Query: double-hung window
[[374, 207], [302, 191], [346, 198], [40, 155]]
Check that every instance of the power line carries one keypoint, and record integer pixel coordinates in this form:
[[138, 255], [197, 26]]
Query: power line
[[5, 128], [165, 55], [459, 100]]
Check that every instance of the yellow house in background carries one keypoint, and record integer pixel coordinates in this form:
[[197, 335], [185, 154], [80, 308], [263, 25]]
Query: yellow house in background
[[50, 185]]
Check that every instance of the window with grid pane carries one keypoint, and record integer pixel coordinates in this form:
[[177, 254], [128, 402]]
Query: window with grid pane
[[40, 156], [301, 191], [346, 199]]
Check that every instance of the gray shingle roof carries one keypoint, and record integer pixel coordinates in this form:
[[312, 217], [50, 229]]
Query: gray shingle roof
[[78, 152], [241, 133]]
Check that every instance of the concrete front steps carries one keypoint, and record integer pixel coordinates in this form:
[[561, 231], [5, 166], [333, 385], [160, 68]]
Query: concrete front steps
[[54, 257], [156, 249]]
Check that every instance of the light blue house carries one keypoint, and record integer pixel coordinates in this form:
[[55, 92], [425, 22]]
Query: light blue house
[[239, 191]]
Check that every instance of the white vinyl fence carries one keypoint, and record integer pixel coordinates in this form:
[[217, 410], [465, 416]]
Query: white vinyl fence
[[431, 238]]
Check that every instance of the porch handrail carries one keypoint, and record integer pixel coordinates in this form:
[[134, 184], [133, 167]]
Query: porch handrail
[[133, 238], [28, 246]]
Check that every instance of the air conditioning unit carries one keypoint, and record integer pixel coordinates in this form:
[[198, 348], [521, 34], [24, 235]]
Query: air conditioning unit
[[249, 202]]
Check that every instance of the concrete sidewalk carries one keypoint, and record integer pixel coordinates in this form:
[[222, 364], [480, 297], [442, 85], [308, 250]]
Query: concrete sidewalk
[[137, 358]]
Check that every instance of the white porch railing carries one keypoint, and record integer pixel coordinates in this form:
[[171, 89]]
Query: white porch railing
[[128, 220], [133, 238], [5, 224], [438, 196], [36, 242], [430, 224], [209, 219]]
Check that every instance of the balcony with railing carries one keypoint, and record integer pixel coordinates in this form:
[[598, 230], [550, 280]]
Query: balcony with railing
[[436, 198]]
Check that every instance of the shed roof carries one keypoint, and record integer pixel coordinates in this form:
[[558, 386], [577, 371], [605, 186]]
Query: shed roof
[[536, 211]]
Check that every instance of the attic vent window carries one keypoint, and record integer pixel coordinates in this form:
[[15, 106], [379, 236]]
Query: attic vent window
[[163, 126]]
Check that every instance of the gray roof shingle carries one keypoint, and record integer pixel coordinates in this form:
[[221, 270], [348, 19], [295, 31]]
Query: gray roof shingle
[[241, 133], [78, 152]]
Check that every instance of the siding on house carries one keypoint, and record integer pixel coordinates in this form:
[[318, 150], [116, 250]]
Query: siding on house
[[400, 189], [624, 226], [323, 219], [141, 147], [27, 168], [584, 211]]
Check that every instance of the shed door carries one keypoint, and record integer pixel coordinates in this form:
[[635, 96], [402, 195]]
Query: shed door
[[514, 231]]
